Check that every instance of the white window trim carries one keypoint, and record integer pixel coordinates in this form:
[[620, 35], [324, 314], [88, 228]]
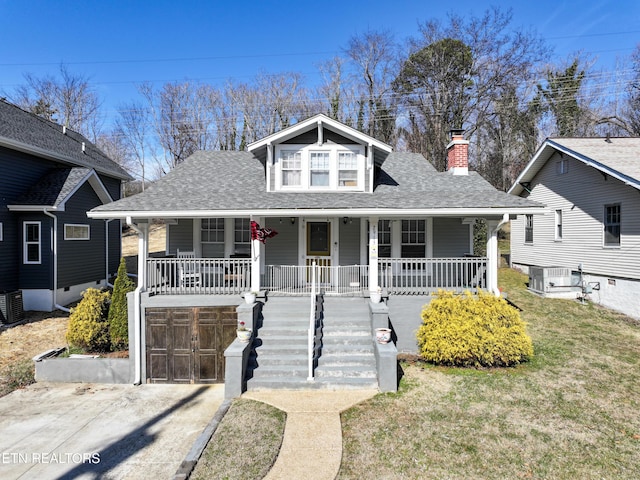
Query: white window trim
[[604, 226], [1, 232], [305, 180], [66, 237], [526, 227], [558, 225], [25, 243], [202, 229]]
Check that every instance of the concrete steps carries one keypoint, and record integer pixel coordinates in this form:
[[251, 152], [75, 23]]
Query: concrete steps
[[280, 359]]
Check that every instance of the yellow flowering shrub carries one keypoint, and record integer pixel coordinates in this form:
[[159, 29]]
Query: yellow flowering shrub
[[88, 325], [473, 331]]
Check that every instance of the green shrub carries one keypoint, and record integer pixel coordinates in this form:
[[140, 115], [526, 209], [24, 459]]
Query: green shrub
[[464, 330], [88, 324], [118, 313]]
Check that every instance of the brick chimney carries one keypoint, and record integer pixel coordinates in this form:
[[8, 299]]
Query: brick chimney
[[458, 154]]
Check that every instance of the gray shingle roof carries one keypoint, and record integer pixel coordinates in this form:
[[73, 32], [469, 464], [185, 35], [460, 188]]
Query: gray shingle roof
[[236, 181], [44, 138], [616, 156], [53, 188]]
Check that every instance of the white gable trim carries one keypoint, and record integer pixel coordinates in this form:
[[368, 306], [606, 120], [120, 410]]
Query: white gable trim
[[320, 120], [545, 152]]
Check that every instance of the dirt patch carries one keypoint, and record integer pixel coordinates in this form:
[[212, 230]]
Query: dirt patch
[[157, 245], [39, 332]]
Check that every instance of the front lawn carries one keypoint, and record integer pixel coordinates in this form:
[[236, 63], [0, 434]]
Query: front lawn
[[573, 412]]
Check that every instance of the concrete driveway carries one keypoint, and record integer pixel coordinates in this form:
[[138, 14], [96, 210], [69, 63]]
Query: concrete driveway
[[60, 430]]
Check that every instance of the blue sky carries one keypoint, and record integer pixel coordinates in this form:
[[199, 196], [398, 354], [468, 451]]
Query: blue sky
[[121, 43]]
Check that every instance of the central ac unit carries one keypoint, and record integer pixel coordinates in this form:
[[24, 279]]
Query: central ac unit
[[550, 279]]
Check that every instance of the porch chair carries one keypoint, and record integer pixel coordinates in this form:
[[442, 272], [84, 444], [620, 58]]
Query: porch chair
[[189, 272]]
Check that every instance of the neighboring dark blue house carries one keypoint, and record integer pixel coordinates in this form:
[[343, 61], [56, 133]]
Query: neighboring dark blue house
[[50, 177]]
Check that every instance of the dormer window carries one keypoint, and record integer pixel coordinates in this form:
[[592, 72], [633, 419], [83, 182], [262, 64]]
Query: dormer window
[[291, 168], [327, 167]]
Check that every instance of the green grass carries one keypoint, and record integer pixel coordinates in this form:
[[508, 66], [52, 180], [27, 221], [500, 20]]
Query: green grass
[[18, 375], [245, 445], [572, 412]]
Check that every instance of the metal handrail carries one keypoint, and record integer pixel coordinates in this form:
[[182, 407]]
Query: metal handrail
[[312, 321]]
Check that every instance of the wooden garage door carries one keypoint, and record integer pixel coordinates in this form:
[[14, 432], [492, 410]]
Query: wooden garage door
[[186, 345]]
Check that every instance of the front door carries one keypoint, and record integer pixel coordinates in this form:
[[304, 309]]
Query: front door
[[318, 246]]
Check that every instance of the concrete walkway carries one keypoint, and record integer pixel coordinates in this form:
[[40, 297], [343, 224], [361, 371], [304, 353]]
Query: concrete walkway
[[312, 444]]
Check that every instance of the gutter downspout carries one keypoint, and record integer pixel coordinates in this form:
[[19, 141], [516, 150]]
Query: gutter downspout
[[492, 254], [54, 239], [136, 305], [106, 251]]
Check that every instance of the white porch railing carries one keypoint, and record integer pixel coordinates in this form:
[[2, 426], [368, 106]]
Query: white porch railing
[[182, 276], [331, 280], [312, 321], [425, 275]]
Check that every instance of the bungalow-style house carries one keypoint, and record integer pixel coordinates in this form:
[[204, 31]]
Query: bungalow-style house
[[316, 204], [588, 245], [51, 176]]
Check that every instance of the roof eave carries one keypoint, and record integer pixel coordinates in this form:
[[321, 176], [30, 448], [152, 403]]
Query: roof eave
[[320, 212]]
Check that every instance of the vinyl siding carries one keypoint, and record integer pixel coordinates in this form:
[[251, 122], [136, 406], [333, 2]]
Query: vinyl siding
[[450, 237], [180, 235], [350, 242], [283, 248], [14, 182], [581, 194], [81, 261]]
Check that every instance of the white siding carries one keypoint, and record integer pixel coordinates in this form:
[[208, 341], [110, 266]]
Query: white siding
[[581, 193]]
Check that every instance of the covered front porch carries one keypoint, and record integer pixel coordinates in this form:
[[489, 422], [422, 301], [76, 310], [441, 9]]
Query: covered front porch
[[347, 256]]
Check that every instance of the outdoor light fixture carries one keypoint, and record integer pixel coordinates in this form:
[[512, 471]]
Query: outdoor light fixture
[[345, 220], [293, 220]]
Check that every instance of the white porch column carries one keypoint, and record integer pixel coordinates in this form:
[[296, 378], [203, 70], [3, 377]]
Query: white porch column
[[373, 254], [143, 253], [492, 253], [256, 251]]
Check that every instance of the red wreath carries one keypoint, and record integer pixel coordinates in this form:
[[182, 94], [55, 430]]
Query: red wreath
[[261, 234]]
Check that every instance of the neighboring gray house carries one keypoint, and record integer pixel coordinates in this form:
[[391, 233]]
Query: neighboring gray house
[[590, 237], [369, 218], [51, 176]]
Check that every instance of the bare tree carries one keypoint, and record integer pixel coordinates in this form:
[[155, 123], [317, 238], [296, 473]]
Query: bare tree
[[69, 99], [133, 127], [373, 54]]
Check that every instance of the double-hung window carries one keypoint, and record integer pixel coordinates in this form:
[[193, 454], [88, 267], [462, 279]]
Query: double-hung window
[[32, 243], [347, 169], [212, 237], [242, 240], [291, 168], [558, 224], [319, 169], [384, 238], [413, 239], [528, 228], [612, 225]]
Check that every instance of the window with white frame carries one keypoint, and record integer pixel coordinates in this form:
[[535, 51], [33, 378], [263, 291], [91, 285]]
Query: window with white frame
[[612, 218], [347, 169], [291, 168], [384, 238], [1, 232], [562, 166], [319, 169], [32, 243], [242, 240], [76, 231], [528, 228], [326, 167], [212, 230], [558, 224], [413, 239]]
